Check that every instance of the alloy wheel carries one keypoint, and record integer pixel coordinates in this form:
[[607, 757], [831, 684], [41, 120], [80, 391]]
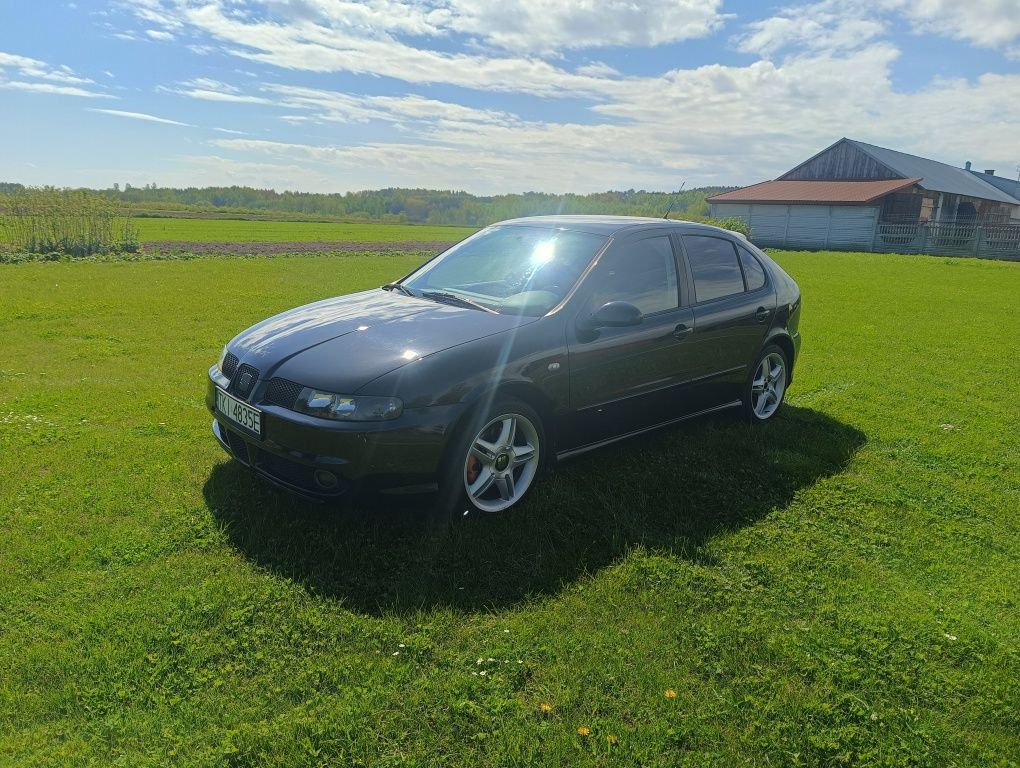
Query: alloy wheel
[[502, 461], [768, 385]]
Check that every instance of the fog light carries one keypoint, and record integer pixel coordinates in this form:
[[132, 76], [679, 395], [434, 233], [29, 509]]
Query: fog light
[[325, 479]]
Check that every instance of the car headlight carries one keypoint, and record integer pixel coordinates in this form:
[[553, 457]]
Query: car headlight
[[223, 356], [329, 405]]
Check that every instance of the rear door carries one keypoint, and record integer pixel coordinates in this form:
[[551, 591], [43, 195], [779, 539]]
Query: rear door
[[624, 379], [734, 305]]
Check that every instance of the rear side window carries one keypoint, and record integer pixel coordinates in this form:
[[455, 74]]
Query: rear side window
[[714, 266], [754, 272], [642, 273]]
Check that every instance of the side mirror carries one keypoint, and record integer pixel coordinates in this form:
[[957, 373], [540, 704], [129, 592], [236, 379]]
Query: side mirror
[[616, 314], [613, 314]]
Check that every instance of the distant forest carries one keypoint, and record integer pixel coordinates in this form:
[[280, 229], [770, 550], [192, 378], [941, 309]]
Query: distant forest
[[424, 206]]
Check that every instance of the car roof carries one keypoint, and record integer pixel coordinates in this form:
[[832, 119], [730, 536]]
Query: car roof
[[610, 225]]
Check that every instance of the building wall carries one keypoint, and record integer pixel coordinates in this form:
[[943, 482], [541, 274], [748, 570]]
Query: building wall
[[859, 228], [839, 227], [843, 161]]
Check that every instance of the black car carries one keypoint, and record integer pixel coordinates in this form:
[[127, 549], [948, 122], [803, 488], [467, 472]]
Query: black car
[[532, 340]]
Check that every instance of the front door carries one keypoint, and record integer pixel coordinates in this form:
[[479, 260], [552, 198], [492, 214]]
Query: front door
[[625, 379]]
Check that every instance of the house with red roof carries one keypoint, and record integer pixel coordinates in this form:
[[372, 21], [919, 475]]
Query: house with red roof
[[858, 196]]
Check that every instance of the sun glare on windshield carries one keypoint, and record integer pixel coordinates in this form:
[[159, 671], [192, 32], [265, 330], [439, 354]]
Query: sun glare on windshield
[[543, 252], [509, 269]]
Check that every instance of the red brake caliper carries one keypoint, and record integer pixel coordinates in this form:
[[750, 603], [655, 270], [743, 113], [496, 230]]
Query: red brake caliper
[[474, 469]]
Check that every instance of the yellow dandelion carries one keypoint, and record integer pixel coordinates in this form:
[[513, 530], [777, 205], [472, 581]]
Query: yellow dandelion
[[544, 708], [670, 694], [613, 740], [584, 731]]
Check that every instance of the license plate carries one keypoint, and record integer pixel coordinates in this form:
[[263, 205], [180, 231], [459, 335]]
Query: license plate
[[241, 414]]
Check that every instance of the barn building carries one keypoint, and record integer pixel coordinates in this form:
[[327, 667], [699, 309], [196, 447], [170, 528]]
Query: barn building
[[858, 196]]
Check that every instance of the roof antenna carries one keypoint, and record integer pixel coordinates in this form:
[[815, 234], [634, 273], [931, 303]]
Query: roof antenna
[[673, 200]]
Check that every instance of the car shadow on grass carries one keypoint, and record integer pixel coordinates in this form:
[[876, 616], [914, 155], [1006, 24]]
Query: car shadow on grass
[[673, 491]]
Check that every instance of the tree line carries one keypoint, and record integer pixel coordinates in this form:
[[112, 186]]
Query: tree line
[[424, 206]]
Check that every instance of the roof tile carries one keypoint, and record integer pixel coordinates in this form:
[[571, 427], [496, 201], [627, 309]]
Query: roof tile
[[839, 192]]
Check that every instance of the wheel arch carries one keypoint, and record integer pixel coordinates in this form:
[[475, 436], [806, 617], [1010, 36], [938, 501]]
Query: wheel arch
[[521, 390], [785, 343]]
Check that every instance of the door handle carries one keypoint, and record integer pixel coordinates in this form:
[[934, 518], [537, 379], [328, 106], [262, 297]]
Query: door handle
[[762, 314], [682, 331]]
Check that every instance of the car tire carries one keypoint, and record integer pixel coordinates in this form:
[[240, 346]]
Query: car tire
[[766, 386], [494, 459]]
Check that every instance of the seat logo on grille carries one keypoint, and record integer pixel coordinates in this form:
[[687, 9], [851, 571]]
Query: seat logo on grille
[[244, 382]]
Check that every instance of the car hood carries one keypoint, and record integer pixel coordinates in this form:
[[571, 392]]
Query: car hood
[[343, 343]]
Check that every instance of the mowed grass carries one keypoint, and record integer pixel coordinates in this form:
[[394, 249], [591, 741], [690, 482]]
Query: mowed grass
[[837, 587], [236, 230]]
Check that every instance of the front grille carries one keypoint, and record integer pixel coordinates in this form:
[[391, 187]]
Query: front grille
[[244, 381], [229, 365], [283, 392]]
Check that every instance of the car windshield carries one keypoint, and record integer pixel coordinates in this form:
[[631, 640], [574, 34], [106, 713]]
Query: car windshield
[[511, 269]]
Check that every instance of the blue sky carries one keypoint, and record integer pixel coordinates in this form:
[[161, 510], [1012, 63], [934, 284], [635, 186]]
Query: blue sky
[[495, 96]]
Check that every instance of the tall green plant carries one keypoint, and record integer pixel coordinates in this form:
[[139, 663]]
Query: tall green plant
[[73, 222]]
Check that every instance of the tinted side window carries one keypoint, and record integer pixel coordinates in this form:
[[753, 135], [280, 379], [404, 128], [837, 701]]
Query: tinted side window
[[754, 272], [643, 273], [715, 267]]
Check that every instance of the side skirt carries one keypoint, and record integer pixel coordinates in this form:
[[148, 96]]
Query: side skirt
[[562, 455]]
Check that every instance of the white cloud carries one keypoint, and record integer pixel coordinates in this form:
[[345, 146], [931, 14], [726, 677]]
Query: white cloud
[[154, 12], [987, 23], [549, 26], [35, 69], [140, 116], [435, 166], [527, 26], [60, 90], [598, 69], [849, 24], [735, 125], [322, 36], [334, 106], [213, 170], [322, 106], [824, 72], [833, 25], [159, 34], [207, 89], [307, 46], [208, 84]]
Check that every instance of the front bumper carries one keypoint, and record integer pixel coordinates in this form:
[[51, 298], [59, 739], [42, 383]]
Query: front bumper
[[394, 457]]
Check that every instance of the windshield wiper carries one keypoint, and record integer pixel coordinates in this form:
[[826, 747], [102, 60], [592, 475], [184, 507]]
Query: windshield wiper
[[398, 287], [452, 298]]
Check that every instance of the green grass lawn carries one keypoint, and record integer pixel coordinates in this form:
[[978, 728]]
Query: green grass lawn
[[234, 230], [837, 587]]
